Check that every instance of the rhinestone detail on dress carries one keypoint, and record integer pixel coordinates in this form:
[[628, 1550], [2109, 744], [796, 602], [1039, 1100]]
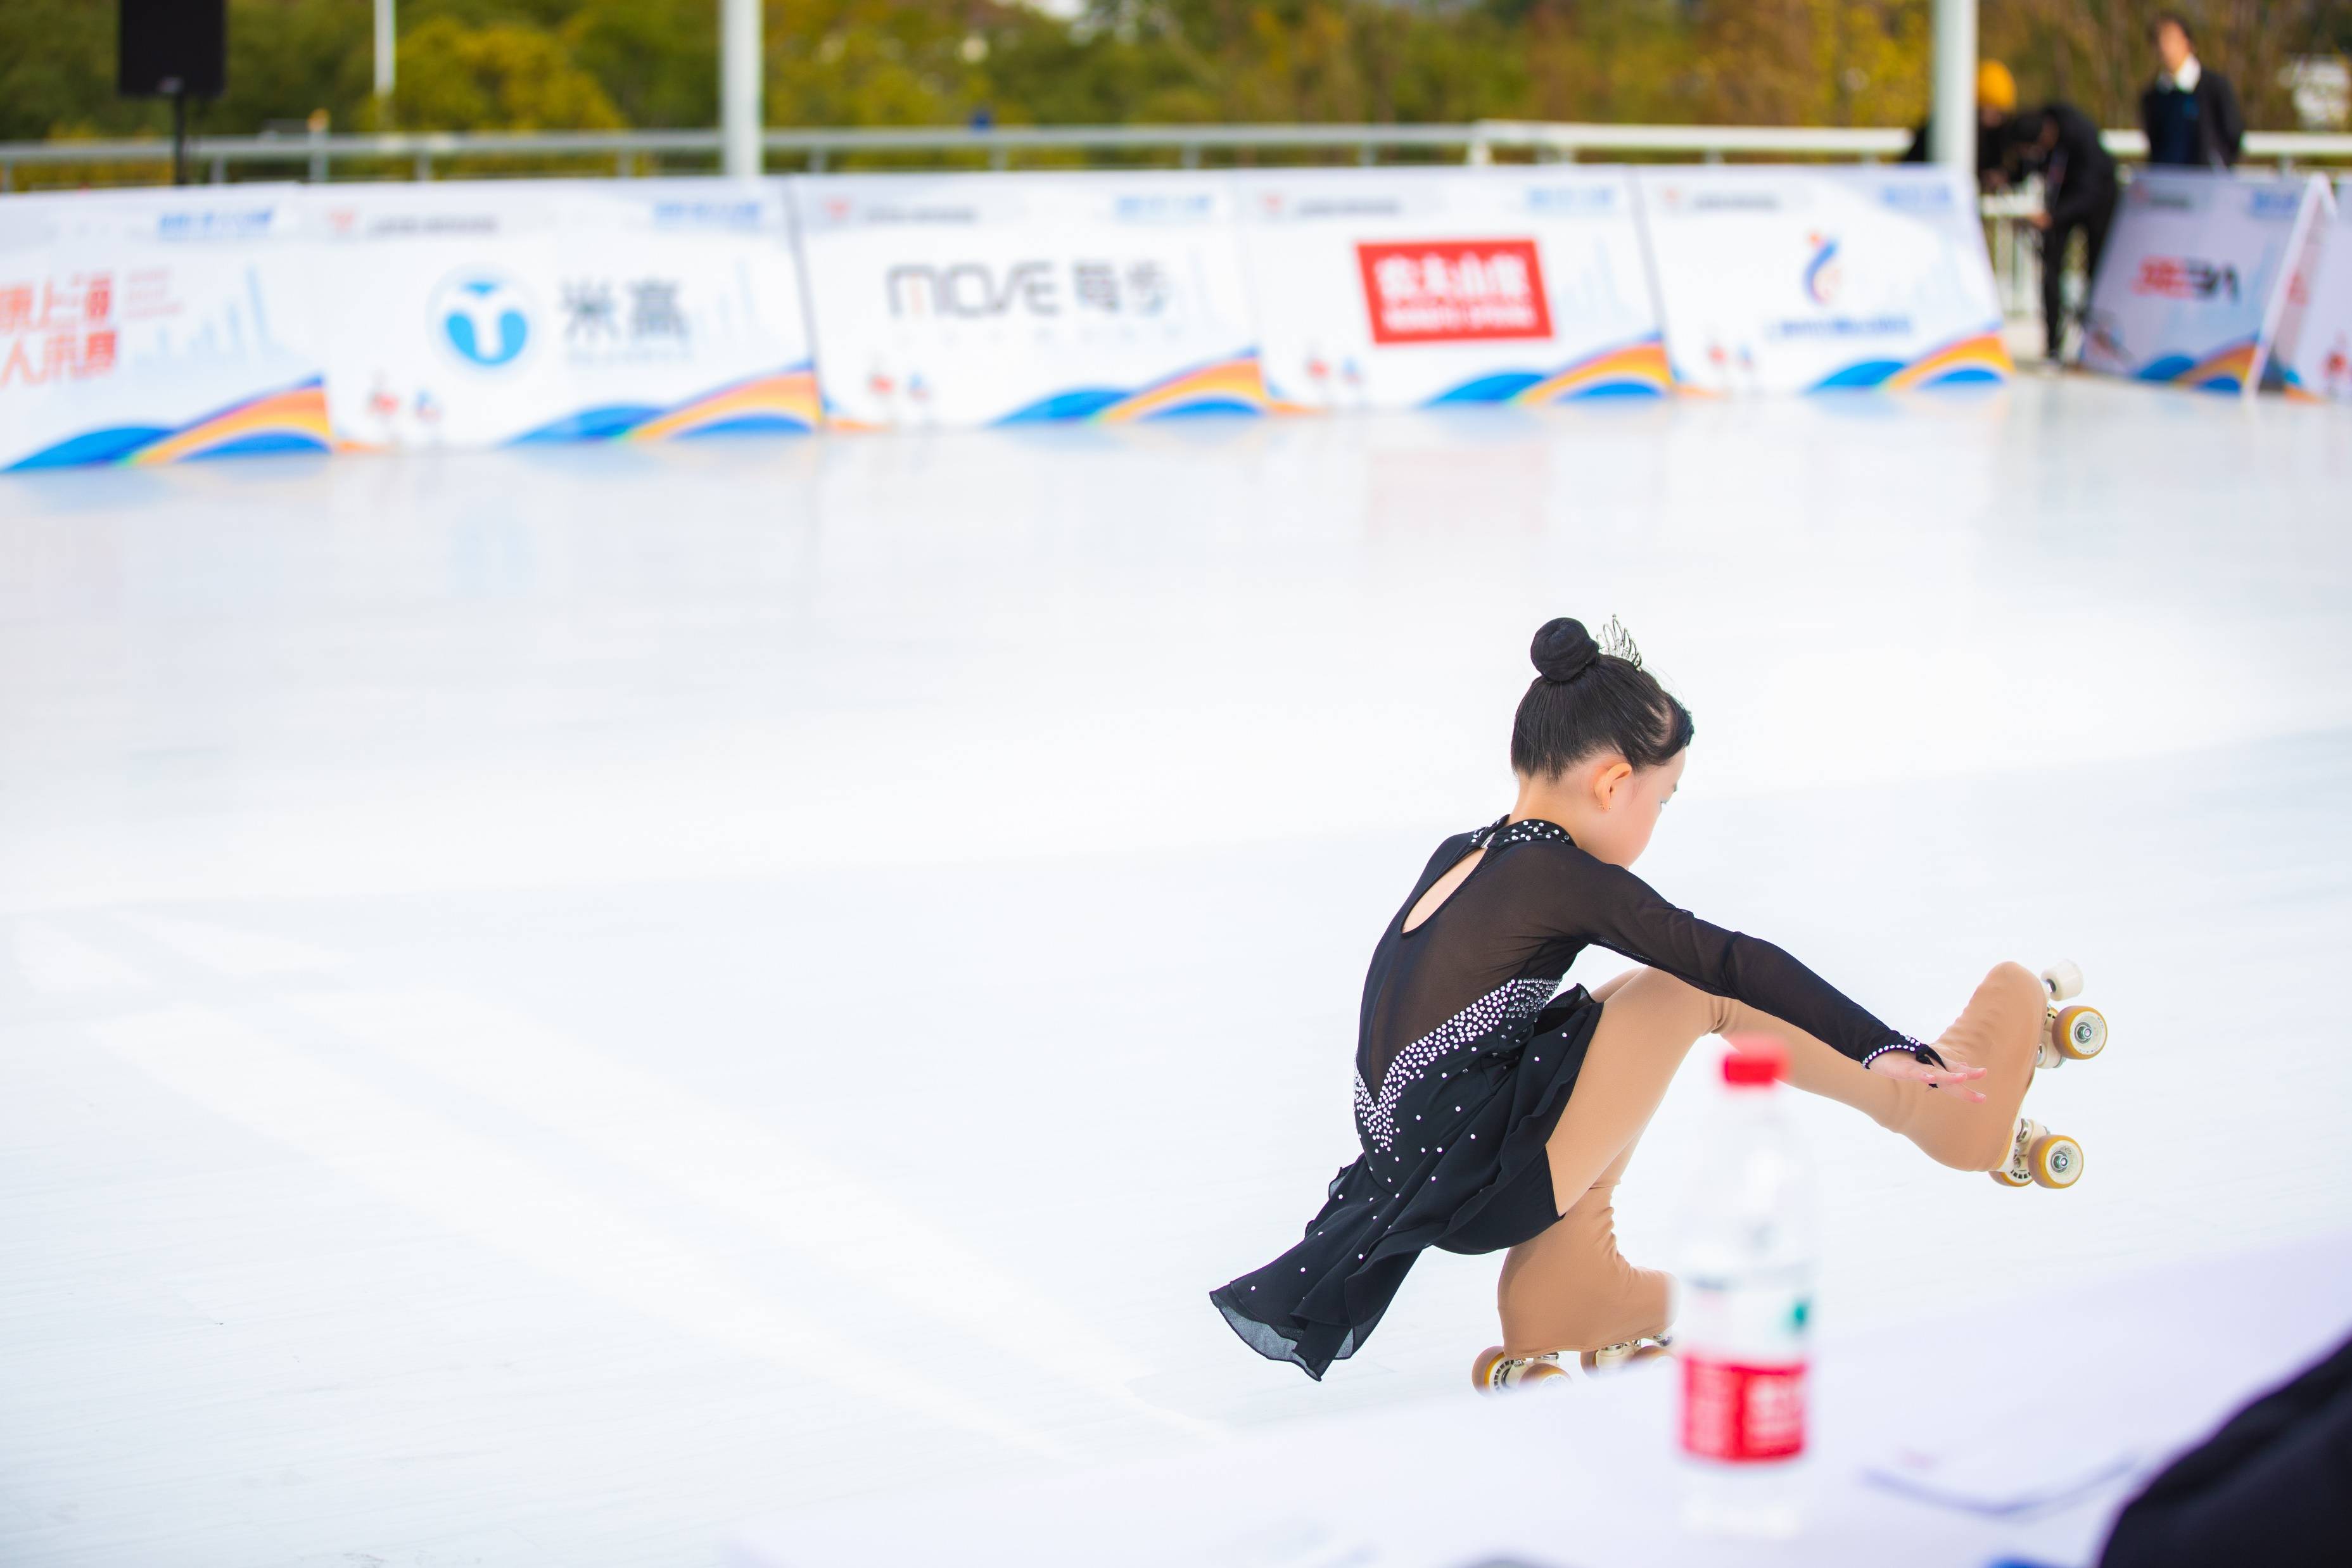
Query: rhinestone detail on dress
[[1514, 1002], [1534, 830]]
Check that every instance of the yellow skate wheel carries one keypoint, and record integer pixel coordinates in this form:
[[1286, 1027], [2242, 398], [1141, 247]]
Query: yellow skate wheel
[[2055, 1160], [1483, 1370], [2008, 1177], [2080, 1032]]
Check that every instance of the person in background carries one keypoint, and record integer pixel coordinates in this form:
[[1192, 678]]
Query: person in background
[[2190, 114], [2061, 144], [1996, 101]]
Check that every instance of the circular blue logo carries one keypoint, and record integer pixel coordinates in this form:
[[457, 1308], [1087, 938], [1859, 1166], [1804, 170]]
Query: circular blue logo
[[483, 318]]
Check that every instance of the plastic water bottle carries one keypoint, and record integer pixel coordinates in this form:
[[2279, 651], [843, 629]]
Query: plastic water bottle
[[1747, 1287]]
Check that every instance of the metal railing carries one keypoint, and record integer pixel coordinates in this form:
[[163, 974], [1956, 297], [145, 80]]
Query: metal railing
[[418, 154]]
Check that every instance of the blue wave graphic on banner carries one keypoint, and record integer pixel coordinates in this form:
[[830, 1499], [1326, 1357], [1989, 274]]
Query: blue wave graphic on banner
[[1504, 385], [1501, 387], [591, 424], [609, 423], [94, 446], [1082, 403], [2172, 367]]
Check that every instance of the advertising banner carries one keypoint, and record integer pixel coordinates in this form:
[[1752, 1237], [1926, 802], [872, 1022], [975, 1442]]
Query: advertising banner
[[2313, 358], [155, 326], [1412, 288], [964, 299], [2188, 290], [560, 311], [1775, 279]]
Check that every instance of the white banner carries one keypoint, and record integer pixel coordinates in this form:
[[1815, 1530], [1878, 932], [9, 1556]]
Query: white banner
[[562, 310], [1814, 279], [1410, 288], [962, 299], [2190, 286], [157, 325], [2314, 354]]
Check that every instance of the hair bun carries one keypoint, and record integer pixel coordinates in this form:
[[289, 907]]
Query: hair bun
[[1563, 650]]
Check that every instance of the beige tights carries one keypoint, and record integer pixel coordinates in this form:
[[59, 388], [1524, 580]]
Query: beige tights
[[1569, 1289]]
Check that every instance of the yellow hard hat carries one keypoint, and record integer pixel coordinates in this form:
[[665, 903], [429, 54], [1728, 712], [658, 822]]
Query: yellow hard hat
[[1996, 88]]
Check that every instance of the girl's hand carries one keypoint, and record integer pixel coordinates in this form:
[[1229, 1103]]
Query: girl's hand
[[1903, 1065]]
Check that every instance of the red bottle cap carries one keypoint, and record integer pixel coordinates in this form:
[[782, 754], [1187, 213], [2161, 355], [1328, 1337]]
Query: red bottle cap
[[1755, 1060]]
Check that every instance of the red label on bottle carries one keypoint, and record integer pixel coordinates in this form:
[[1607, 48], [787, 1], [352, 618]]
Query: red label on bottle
[[1741, 1413]]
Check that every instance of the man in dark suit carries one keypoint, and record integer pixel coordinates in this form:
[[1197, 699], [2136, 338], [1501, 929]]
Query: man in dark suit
[[2061, 144], [2190, 114]]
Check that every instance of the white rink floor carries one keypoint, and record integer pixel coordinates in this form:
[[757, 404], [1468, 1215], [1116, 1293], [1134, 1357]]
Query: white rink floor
[[554, 1001]]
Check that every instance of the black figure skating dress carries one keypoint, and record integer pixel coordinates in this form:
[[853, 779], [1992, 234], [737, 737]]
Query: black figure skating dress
[[1464, 1059]]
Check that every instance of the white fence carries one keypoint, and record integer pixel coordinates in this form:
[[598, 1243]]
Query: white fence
[[149, 326], [319, 156]]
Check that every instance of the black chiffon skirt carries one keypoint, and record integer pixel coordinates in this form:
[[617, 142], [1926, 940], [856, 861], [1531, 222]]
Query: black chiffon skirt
[[1466, 1173]]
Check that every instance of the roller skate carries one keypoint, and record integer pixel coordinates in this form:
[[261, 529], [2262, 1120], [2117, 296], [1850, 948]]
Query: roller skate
[[2001, 1031], [2068, 1034], [1494, 1373], [2037, 1156]]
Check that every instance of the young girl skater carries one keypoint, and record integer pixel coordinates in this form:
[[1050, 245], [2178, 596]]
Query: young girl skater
[[1496, 1115]]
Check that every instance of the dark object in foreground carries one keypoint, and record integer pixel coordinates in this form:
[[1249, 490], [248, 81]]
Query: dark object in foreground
[[2273, 1486]]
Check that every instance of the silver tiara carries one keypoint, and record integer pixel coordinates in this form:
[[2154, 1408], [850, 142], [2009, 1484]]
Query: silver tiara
[[1618, 643]]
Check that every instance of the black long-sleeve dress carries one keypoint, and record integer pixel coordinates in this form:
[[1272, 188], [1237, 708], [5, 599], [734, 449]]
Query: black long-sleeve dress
[[1464, 1060]]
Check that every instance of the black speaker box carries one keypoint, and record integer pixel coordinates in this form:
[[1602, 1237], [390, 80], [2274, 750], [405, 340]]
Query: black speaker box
[[173, 46]]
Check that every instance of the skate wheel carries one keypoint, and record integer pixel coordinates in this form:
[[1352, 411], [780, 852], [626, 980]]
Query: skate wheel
[[2063, 979], [2008, 1177], [1609, 1358], [1541, 1373], [2055, 1160], [2080, 1032], [1482, 1371]]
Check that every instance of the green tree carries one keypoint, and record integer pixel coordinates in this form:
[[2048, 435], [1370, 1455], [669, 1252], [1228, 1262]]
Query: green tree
[[656, 59], [500, 76], [866, 62], [578, 64], [1814, 62], [1630, 63], [56, 74], [1282, 60], [290, 57]]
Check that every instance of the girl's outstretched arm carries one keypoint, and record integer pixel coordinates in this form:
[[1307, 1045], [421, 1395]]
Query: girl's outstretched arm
[[1587, 900]]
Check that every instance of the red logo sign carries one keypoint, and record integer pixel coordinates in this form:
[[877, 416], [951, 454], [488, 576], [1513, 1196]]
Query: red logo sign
[[2185, 277], [1454, 290]]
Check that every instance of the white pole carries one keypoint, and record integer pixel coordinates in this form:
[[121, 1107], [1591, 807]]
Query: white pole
[[738, 86], [383, 48], [1953, 119]]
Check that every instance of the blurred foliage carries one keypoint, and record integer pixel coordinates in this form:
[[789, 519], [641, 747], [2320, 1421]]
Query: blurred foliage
[[577, 63], [500, 75]]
